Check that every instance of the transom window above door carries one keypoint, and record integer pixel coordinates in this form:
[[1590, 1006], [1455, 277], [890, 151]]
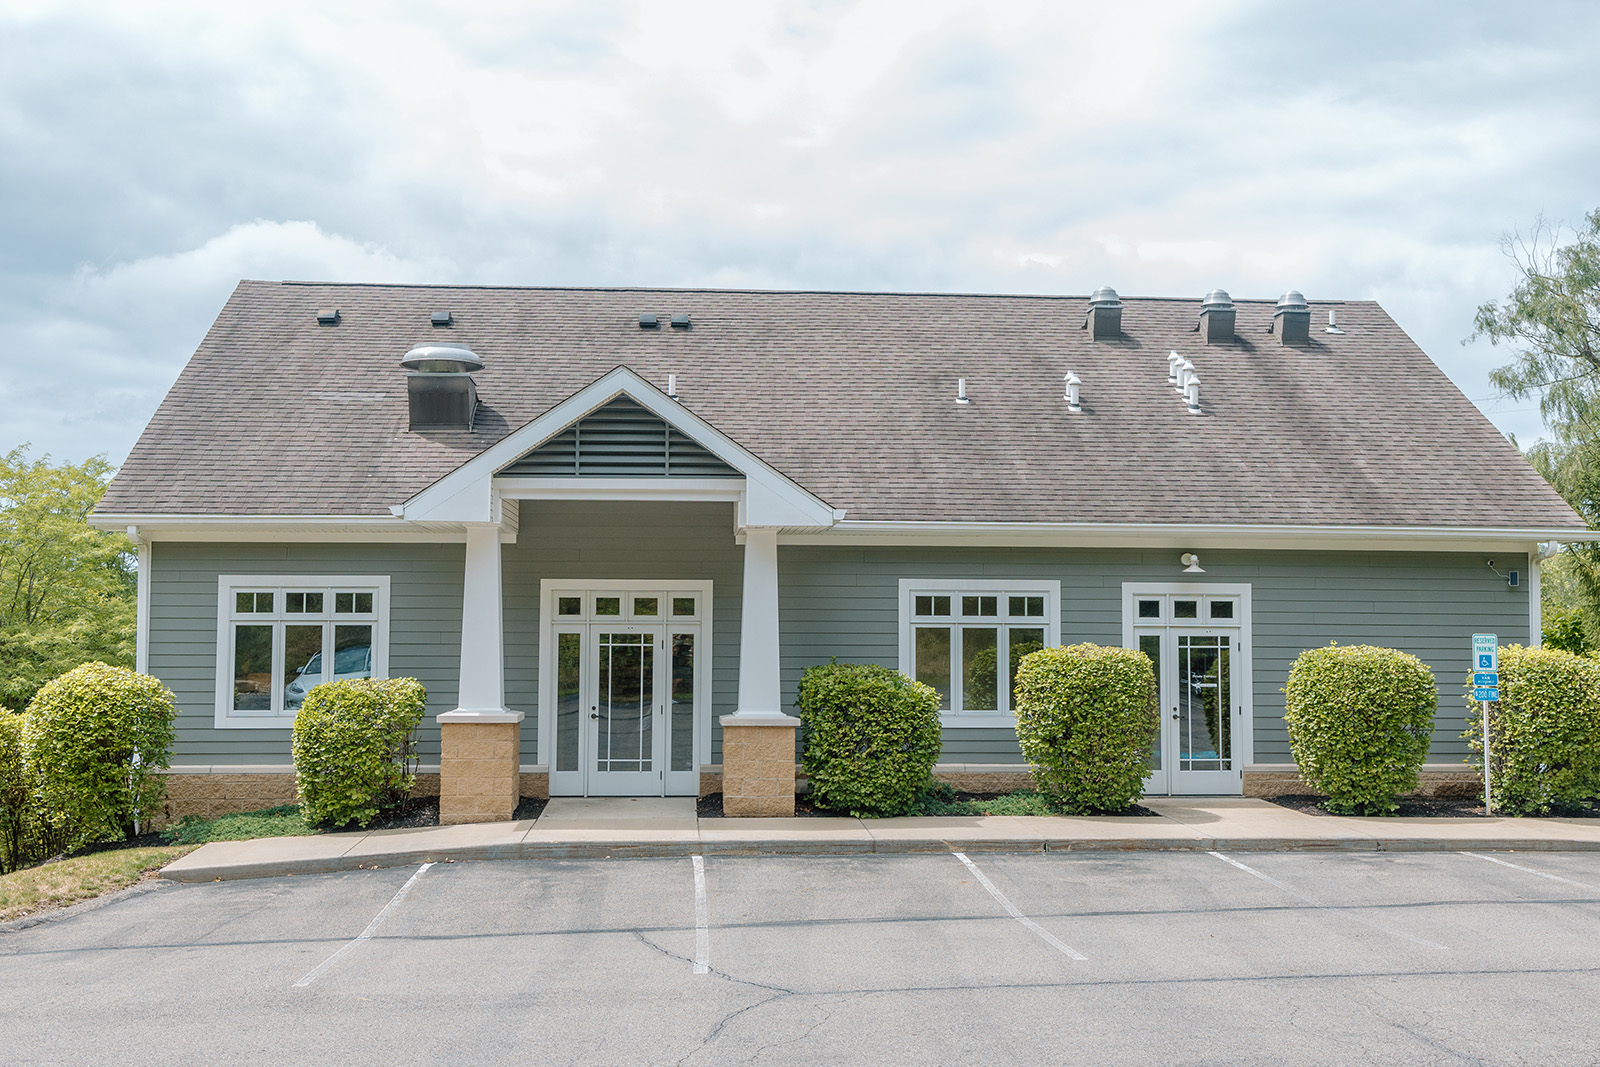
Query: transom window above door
[[630, 605], [967, 638], [1195, 609]]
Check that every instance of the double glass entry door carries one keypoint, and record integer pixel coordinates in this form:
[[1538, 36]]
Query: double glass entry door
[[1197, 750], [625, 710]]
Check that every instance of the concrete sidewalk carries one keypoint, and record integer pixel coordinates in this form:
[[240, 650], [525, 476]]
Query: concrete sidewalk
[[576, 828]]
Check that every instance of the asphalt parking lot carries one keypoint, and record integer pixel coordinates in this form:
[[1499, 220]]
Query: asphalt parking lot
[[1095, 958]]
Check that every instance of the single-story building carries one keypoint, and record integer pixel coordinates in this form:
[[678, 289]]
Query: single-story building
[[608, 528]]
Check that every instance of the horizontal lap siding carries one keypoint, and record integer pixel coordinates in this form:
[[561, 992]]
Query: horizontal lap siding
[[424, 631], [621, 542], [843, 602]]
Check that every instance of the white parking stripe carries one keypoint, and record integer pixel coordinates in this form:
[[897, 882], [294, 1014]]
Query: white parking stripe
[[702, 934], [1011, 909], [372, 928], [1530, 870], [1314, 902]]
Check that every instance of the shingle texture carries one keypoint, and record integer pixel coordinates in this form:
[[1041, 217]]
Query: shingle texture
[[852, 396]]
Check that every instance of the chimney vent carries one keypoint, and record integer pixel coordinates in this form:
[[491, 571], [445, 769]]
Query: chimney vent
[[328, 317], [1105, 315], [443, 318], [1216, 317], [1292, 320], [441, 392]]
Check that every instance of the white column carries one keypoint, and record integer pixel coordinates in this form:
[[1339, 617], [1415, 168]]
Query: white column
[[141, 604], [482, 693], [1535, 604], [759, 688]]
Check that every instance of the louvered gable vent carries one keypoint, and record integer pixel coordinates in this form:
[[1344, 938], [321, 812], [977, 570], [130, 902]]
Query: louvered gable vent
[[622, 439]]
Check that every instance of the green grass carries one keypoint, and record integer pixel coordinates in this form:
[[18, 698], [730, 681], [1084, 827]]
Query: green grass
[[282, 821], [55, 885], [942, 801]]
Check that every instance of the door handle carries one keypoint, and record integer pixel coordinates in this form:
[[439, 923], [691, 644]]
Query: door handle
[[596, 715]]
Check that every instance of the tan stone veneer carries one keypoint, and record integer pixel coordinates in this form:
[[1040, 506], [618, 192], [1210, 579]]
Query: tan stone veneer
[[1434, 780], [758, 765], [478, 771]]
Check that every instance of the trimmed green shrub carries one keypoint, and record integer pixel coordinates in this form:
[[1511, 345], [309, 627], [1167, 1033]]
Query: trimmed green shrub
[[1360, 719], [1087, 719], [1544, 730], [871, 737], [354, 749], [981, 673], [94, 740]]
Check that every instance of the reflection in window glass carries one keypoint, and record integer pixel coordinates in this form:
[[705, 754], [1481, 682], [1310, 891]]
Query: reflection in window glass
[[1150, 645], [608, 605], [683, 605], [302, 662], [252, 603], [352, 652], [980, 669], [567, 701], [933, 661], [252, 668], [1027, 607], [983, 606], [646, 605], [936, 606], [1186, 609], [569, 605], [1022, 642], [682, 702], [1149, 609], [1222, 609], [304, 603], [352, 603]]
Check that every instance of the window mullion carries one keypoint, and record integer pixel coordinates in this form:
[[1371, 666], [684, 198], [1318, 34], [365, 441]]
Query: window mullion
[[1002, 667], [276, 703], [958, 696]]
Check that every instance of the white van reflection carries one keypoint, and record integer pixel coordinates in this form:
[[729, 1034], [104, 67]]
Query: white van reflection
[[352, 662]]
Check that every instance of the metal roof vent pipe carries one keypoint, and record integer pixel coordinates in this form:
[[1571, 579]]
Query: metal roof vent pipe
[[1105, 315], [1185, 375], [1174, 361], [1191, 394], [1216, 317], [442, 395], [1074, 396], [1292, 321]]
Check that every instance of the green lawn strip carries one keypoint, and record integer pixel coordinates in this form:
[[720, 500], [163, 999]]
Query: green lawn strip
[[1022, 802], [282, 821], [64, 882]]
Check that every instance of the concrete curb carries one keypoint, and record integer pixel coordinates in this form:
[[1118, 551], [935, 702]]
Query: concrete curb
[[185, 870]]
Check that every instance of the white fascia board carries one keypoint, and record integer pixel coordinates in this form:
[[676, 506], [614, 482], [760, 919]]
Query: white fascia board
[[1186, 536], [287, 528], [772, 498]]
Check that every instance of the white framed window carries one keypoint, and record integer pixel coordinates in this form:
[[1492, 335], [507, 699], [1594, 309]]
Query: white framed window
[[277, 636], [965, 638]]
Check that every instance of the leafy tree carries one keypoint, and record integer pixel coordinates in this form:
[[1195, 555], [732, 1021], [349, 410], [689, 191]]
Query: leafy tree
[[1552, 319], [67, 591]]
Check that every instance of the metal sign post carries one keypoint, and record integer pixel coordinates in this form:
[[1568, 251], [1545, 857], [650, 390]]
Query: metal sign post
[[1485, 690]]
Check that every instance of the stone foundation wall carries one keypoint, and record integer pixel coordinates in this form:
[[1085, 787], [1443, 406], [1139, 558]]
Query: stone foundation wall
[[985, 781], [210, 795], [758, 770], [1435, 781]]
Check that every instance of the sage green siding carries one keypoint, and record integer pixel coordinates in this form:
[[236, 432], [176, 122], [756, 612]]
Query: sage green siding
[[424, 631], [844, 602]]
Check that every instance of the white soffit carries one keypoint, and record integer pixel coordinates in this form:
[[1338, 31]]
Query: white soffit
[[467, 493]]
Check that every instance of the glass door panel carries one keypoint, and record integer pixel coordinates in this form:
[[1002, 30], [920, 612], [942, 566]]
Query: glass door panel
[[569, 700], [1156, 780], [624, 761], [1203, 709]]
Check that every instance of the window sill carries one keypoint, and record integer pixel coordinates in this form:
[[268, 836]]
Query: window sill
[[225, 721], [989, 719]]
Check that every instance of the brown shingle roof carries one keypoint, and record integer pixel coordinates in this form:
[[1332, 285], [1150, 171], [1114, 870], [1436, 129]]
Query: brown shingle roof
[[851, 395]]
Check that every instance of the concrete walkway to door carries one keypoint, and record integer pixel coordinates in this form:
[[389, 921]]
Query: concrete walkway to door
[[607, 827]]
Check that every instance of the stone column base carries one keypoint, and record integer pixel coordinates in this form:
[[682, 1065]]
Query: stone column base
[[758, 764], [478, 769]]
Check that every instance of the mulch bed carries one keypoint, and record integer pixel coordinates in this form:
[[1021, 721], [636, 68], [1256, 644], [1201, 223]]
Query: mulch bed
[[424, 811], [1434, 807], [710, 807]]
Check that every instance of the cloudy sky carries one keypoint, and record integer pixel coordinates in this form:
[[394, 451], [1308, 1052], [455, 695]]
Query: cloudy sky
[[153, 154]]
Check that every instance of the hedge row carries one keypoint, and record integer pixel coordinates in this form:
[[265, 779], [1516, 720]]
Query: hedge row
[[1544, 730]]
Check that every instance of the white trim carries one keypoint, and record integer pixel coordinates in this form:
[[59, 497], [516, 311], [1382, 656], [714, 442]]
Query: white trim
[[1243, 624], [224, 717], [481, 674], [303, 529], [760, 643], [459, 716], [1535, 600], [909, 587], [550, 588], [141, 611], [770, 498], [1182, 536]]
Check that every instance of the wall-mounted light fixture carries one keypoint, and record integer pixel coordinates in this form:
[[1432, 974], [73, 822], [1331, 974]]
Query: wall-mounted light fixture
[[1191, 563]]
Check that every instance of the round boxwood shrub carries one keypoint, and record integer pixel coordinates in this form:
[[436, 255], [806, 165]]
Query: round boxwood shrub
[[354, 751], [20, 825], [1544, 730], [1086, 719], [871, 737], [1360, 719], [94, 740]]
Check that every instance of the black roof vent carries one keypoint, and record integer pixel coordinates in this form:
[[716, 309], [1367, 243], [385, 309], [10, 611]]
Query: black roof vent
[[443, 318], [649, 320], [328, 317], [680, 321]]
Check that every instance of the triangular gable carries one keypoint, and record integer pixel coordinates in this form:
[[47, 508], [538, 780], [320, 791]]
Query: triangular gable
[[620, 439], [466, 494]]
